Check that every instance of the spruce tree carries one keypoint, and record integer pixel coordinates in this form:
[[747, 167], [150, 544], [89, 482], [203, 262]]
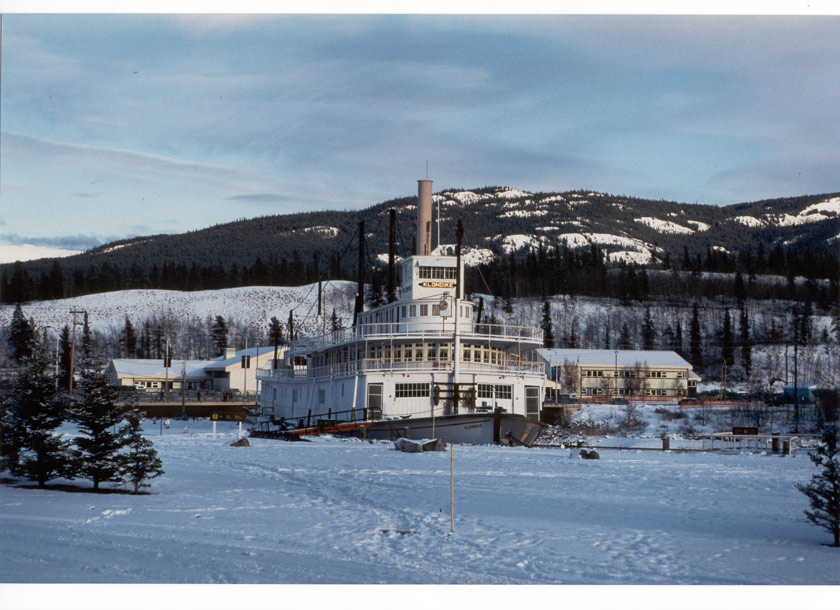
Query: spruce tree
[[678, 338], [140, 461], [695, 339], [97, 415], [746, 344], [624, 340], [65, 349], [335, 321], [648, 332], [87, 339], [21, 336], [129, 340], [32, 413], [726, 339], [548, 333], [219, 334], [823, 490]]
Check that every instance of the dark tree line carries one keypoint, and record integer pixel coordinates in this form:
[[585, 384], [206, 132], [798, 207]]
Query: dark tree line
[[18, 286], [586, 272]]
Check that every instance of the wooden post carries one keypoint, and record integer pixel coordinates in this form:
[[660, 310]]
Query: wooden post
[[451, 488]]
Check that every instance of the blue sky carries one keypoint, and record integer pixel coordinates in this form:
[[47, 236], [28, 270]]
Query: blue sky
[[122, 125]]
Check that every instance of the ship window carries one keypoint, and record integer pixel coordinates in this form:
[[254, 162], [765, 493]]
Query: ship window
[[322, 396], [437, 273], [403, 311], [430, 352], [467, 354], [412, 311], [424, 310], [503, 392], [418, 352], [436, 309], [411, 390], [444, 353]]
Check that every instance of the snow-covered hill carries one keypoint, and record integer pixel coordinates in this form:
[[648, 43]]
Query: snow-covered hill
[[251, 307]]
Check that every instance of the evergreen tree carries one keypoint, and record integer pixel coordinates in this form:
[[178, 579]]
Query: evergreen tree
[[55, 282], [648, 332], [87, 339], [624, 340], [823, 490], [335, 321], [746, 343], [21, 336], [32, 413], [678, 338], [738, 289], [275, 335], [140, 462], [65, 349], [129, 340], [727, 350], [805, 322], [219, 334], [695, 339], [97, 414], [548, 333]]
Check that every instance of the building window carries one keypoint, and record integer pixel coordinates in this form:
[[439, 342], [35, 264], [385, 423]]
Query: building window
[[411, 390]]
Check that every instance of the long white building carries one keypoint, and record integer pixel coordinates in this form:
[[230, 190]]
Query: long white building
[[582, 373]]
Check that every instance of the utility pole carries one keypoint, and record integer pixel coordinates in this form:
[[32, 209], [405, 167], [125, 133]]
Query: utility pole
[[184, 391], [73, 349], [166, 363]]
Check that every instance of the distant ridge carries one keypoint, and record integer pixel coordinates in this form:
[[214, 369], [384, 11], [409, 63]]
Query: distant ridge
[[498, 220]]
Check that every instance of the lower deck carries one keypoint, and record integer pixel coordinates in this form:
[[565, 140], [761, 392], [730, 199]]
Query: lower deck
[[363, 395]]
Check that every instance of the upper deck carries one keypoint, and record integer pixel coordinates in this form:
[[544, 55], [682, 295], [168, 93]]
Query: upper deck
[[500, 335]]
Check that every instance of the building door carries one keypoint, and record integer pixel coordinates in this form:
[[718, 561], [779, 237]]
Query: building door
[[532, 402], [374, 401]]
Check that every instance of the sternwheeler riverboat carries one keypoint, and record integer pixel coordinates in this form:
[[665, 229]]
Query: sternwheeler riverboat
[[420, 366]]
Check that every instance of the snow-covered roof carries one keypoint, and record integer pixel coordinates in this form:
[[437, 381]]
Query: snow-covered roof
[[222, 363], [136, 367], [607, 357]]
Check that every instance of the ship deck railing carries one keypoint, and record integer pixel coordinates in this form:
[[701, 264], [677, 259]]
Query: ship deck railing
[[425, 366], [421, 331]]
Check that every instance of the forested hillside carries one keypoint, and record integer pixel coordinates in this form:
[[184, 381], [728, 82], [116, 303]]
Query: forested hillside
[[525, 244]]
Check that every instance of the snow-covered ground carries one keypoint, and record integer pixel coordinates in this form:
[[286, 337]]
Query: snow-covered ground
[[347, 511]]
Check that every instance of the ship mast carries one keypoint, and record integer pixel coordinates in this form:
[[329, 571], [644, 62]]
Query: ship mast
[[456, 347]]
